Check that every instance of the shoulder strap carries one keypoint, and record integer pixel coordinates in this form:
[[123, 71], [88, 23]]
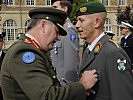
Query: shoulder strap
[[113, 42]]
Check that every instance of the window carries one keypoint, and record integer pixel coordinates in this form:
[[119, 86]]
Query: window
[[105, 2], [107, 26], [48, 2], [9, 2], [118, 31], [121, 2], [30, 2], [10, 27]]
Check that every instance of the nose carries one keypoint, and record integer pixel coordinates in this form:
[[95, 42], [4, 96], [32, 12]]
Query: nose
[[77, 25]]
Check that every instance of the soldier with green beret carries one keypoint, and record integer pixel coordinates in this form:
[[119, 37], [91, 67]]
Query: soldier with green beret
[[27, 72], [115, 81]]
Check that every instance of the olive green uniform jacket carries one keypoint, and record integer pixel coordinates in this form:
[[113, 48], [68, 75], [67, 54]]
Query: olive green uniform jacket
[[114, 71], [36, 79]]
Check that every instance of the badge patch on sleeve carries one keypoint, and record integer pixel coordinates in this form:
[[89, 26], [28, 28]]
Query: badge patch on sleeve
[[121, 64], [73, 37], [28, 57]]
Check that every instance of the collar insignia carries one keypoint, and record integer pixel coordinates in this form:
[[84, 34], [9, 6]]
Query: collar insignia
[[97, 47]]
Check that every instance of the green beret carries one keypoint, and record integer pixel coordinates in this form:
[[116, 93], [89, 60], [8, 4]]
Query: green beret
[[58, 17], [90, 8]]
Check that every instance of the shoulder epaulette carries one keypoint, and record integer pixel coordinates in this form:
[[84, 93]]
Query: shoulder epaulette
[[114, 43]]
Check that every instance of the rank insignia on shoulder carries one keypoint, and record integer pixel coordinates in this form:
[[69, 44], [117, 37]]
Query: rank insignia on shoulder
[[73, 37], [28, 57], [121, 64]]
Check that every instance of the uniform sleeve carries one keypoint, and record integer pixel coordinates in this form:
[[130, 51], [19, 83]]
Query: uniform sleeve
[[71, 55], [120, 82], [36, 83]]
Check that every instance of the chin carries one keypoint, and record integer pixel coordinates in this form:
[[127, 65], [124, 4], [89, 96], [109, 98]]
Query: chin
[[82, 37]]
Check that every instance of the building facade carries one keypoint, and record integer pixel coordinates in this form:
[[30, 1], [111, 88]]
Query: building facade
[[14, 16]]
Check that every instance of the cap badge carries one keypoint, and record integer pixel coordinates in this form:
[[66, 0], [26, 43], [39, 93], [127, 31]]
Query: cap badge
[[121, 64], [83, 9], [47, 17]]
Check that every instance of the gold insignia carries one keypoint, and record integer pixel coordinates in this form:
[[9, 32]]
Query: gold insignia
[[47, 17], [97, 48], [83, 9]]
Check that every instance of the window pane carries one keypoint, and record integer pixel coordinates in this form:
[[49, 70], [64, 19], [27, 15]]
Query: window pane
[[105, 2], [107, 25], [48, 2], [121, 2], [9, 2], [10, 27], [30, 2]]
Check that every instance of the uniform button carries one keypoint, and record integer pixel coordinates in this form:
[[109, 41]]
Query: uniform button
[[54, 68], [62, 78], [54, 77], [51, 57]]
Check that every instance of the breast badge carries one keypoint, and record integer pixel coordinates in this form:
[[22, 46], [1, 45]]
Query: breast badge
[[121, 64]]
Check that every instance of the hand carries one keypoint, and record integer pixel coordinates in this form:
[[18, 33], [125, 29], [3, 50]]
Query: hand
[[88, 79], [88, 92]]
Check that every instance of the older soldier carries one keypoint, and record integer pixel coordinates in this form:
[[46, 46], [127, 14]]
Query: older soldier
[[27, 73], [65, 54], [111, 62]]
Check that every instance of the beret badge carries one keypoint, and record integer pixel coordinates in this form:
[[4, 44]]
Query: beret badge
[[47, 17], [83, 9]]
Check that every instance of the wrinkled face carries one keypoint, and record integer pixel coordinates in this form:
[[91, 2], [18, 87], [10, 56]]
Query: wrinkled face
[[124, 30], [85, 26], [50, 36]]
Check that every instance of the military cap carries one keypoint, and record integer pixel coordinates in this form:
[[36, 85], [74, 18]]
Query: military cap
[[58, 17], [2, 34], [90, 8], [110, 33], [126, 25]]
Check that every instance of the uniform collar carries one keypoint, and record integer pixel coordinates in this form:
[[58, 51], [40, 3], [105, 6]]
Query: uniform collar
[[126, 36], [28, 35], [92, 45]]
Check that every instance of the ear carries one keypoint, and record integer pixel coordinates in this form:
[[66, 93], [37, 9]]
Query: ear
[[65, 9], [97, 22], [43, 25]]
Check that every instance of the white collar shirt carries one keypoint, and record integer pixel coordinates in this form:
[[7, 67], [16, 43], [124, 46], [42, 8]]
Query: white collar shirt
[[92, 45]]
